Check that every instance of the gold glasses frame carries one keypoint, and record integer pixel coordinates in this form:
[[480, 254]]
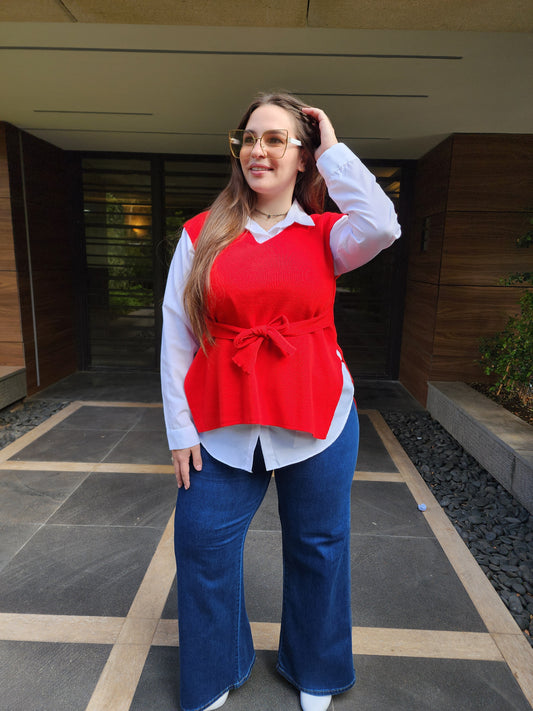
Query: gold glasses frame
[[236, 144]]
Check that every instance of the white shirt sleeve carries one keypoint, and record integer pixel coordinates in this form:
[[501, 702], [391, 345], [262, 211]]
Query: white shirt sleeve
[[178, 347], [369, 223]]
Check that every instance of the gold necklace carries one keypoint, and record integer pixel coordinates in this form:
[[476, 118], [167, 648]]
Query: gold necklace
[[268, 217]]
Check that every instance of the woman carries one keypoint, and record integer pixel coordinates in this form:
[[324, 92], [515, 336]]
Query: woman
[[253, 381]]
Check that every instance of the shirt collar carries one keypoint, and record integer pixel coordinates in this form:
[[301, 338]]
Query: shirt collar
[[295, 214]]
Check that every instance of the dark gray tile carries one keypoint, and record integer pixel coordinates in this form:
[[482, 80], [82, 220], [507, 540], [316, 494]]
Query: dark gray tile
[[141, 447], [13, 536], [49, 677], [170, 611], [265, 689], [263, 576], [267, 517], [385, 395], [126, 386], [33, 496], [120, 499], [263, 579], [102, 418], [158, 688], [373, 455], [386, 508], [78, 570], [408, 684], [408, 582], [151, 418], [64, 445]]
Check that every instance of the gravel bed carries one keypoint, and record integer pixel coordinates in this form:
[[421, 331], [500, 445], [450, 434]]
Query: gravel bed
[[20, 418], [495, 527]]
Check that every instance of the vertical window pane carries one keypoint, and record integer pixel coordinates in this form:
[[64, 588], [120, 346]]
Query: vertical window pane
[[365, 298], [118, 235]]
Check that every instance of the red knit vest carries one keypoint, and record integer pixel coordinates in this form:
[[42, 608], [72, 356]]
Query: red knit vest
[[270, 310]]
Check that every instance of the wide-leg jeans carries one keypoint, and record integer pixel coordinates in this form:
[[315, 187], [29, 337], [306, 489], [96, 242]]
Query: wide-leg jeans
[[212, 519]]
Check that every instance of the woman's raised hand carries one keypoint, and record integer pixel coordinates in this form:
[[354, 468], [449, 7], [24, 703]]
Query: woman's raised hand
[[327, 132], [181, 459]]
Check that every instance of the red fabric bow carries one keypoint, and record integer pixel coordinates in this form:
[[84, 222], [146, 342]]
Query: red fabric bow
[[248, 342]]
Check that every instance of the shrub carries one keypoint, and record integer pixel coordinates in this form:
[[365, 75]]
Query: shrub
[[509, 354]]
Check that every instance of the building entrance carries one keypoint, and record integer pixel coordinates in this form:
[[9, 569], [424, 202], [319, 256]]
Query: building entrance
[[133, 212]]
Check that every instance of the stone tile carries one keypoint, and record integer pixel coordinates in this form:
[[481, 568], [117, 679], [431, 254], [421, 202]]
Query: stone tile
[[408, 582], [170, 611], [151, 418], [408, 684], [263, 576], [378, 508], [78, 570], [141, 447], [373, 455], [33, 496], [115, 386], [397, 581], [263, 579], [386, 508], [49, 677], [265, 689], [13, 536], [64, 445], [397, 683], [102, 418], [267, 517], [385, 395], [158, 687], [120, 499]]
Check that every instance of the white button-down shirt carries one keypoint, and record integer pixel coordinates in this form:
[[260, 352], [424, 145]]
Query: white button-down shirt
[[368, 226]]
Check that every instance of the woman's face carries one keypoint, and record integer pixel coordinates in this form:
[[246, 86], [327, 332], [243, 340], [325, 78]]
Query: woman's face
[[269, 177]]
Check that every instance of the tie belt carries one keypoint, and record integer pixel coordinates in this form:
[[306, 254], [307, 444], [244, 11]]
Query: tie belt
[[248, 341]]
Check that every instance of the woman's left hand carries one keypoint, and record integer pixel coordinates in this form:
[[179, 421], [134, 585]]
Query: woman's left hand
[[327, 132]]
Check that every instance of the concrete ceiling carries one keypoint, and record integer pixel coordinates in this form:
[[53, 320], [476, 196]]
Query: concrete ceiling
[[396, 77]]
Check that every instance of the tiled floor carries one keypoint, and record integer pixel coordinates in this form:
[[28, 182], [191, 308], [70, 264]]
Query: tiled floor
[[87, 578]]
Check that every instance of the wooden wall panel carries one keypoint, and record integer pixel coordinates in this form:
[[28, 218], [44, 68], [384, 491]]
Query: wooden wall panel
[[491, 172], [425, 250], [465, 314], [12, 354], [4, 173], [45, 269], [32, 385], [432, 177], [417, 342], [488, 186], [9, 308], [49, 248], [7, 249], [480, 247]]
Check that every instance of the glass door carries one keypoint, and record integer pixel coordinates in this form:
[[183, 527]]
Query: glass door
[[119, 254]]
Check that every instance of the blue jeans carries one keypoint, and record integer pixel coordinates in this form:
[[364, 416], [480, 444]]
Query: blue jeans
[[212, 519]]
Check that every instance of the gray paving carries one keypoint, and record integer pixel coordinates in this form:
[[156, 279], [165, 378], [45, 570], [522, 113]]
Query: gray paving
[[79, 542]]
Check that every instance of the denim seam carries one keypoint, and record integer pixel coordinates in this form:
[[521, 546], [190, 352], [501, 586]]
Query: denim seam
[[315, 692], [284, 589], [241, 578], [236, 685]]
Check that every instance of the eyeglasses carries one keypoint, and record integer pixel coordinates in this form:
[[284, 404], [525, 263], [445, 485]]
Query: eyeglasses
[[274, 142]]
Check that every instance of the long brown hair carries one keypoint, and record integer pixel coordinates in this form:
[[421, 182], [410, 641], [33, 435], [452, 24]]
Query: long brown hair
[[232, 208]]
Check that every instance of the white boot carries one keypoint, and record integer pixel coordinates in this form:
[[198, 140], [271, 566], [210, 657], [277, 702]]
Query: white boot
[[308, 702], [218, 703]]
